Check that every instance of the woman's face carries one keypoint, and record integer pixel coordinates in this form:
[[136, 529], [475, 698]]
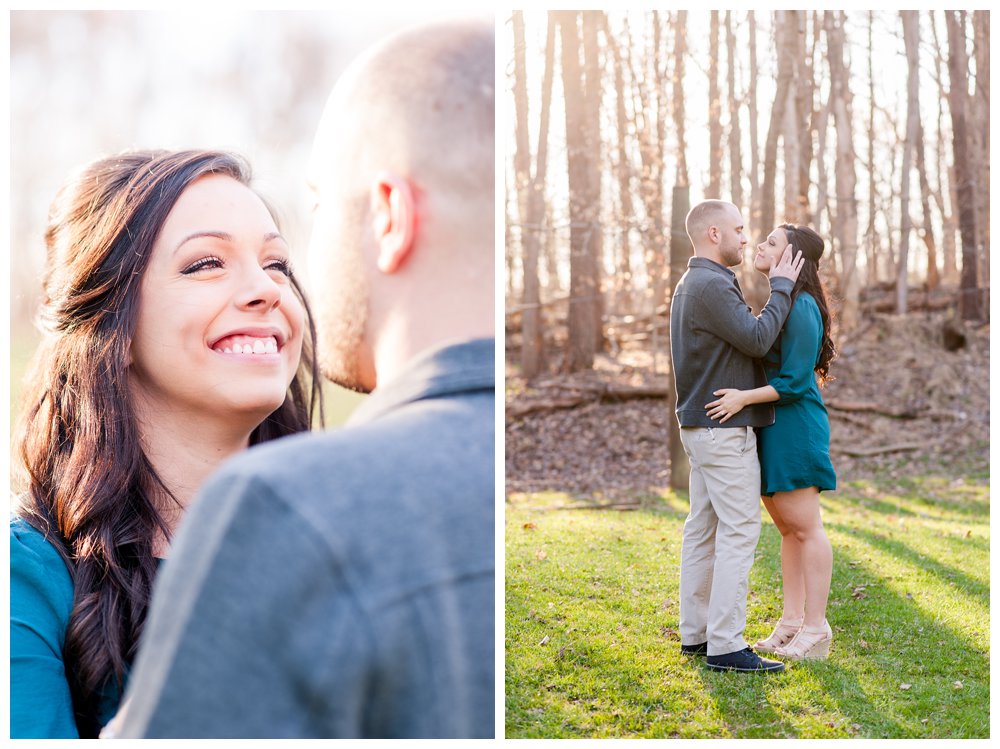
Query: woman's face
[[220, 328], [769, 251]]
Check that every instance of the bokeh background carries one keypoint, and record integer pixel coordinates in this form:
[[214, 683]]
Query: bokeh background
[[88, 83]]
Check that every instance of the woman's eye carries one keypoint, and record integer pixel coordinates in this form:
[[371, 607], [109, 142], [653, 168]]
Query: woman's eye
[[203, 264], [282, 266]]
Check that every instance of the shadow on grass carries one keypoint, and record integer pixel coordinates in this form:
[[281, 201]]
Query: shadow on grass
[[892, 671], [901, 551]]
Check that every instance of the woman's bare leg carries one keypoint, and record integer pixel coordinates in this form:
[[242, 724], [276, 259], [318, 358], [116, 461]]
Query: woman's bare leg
[[810, 557], [792, 581]]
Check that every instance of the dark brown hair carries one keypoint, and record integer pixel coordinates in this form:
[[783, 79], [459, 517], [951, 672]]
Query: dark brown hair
[[812, 246], [90, 488]]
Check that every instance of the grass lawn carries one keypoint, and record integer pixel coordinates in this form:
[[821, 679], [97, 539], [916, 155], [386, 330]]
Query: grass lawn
[[592, 647]]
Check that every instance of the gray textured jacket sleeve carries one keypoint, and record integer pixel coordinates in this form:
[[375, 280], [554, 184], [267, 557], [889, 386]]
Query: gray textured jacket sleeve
[[724, 313]]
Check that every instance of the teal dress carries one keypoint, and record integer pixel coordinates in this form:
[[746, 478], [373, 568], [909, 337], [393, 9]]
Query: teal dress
[[41, 599], [794, 452]]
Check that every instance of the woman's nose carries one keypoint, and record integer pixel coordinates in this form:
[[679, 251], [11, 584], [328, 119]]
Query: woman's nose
[[259, 291]]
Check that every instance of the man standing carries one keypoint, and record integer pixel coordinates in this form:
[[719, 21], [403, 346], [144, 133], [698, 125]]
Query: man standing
[[342, 585], [715, 343]]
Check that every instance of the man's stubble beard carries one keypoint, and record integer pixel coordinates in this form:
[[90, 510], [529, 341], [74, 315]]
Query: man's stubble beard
[[343, 316]]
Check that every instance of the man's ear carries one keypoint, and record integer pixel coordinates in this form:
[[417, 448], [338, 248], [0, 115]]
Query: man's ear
[[394, 220]]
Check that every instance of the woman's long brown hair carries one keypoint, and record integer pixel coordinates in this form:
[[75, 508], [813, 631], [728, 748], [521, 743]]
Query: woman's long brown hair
[[811, 244], [90, 488]]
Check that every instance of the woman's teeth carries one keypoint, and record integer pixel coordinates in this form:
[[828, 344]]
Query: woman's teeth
[[250, 346]]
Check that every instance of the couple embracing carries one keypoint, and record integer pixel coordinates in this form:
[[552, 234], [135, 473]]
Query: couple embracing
[[753, 424], [187, 559]]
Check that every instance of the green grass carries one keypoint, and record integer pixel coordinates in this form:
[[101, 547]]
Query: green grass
[[592, 648]]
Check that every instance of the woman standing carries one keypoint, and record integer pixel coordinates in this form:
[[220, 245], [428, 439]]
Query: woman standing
[[795, 451], [174, 335]]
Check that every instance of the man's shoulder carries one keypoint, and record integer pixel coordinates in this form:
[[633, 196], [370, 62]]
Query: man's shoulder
[[698, 277], [443, 441]]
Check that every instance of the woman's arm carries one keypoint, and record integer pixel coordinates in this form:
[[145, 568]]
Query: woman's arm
[[733, 401], [41, 597]]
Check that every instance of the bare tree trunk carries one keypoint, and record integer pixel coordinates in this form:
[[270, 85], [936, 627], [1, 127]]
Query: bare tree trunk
[[981, 103], [911, 40], [946, 181], [965, 176], [735, 160], [755, 209], [845, 220], [593, 21], [650, 130], [805, 111], [714, 111], [927, 230], [580, 145], [532, 345], [680, 52], [680, 251], [784, 98], [623, 286], [873, 253]]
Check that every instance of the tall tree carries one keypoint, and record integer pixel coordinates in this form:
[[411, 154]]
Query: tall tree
[[735, 151], [581, 142], [533, 205], [965, 175], [623, 290], [785, 45], [981, 104], [845, 218], [944, 195], [911, 40], [651, 132], [927, 229], [680, 53], [714, 111], [593, 22], [755, 207]]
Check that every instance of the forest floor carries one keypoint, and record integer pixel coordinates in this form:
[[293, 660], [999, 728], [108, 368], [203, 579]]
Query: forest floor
[[934, 403]]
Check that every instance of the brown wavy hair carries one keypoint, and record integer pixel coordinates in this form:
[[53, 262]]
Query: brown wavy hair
[[90, 488], [812, 246]]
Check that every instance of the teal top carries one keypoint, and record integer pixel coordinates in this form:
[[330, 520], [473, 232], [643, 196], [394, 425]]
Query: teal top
[[795, 451], [41, 599]]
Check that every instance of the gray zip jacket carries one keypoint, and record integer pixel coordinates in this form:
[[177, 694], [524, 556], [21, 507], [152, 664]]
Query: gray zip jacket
[[716, 342]]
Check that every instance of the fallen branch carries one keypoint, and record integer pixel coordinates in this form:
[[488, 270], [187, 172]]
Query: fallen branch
[[867, 452], [581, 393], [860, 406]]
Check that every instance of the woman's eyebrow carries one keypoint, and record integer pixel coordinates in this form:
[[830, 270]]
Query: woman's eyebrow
[[213, 234]]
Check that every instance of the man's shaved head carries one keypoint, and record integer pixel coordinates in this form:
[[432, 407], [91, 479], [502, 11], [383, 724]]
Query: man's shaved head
[[715, 228], [703, 216], [421, 103]]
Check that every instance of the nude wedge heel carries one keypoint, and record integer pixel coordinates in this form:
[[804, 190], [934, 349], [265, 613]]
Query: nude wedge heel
[[809, 644], [784, 632]]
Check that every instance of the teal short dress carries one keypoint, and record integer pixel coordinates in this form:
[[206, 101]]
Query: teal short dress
[[794, 452]]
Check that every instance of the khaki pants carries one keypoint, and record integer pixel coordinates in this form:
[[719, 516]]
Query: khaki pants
[[720, 536]]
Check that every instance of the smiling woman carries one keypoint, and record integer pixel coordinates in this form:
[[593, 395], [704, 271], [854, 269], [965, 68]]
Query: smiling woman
[[176, 335]]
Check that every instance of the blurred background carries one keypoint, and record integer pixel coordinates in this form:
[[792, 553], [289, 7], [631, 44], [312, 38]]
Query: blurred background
[[89, 83]]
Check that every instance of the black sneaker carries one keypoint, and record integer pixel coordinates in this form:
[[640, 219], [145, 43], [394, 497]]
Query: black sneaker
[[700, 649], [744, 660]]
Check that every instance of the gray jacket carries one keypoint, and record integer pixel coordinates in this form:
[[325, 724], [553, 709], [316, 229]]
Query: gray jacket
[[341, 584], [716, 342]]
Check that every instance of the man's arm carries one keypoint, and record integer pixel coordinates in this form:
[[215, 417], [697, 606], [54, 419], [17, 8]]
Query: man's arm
[[729, 317]]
